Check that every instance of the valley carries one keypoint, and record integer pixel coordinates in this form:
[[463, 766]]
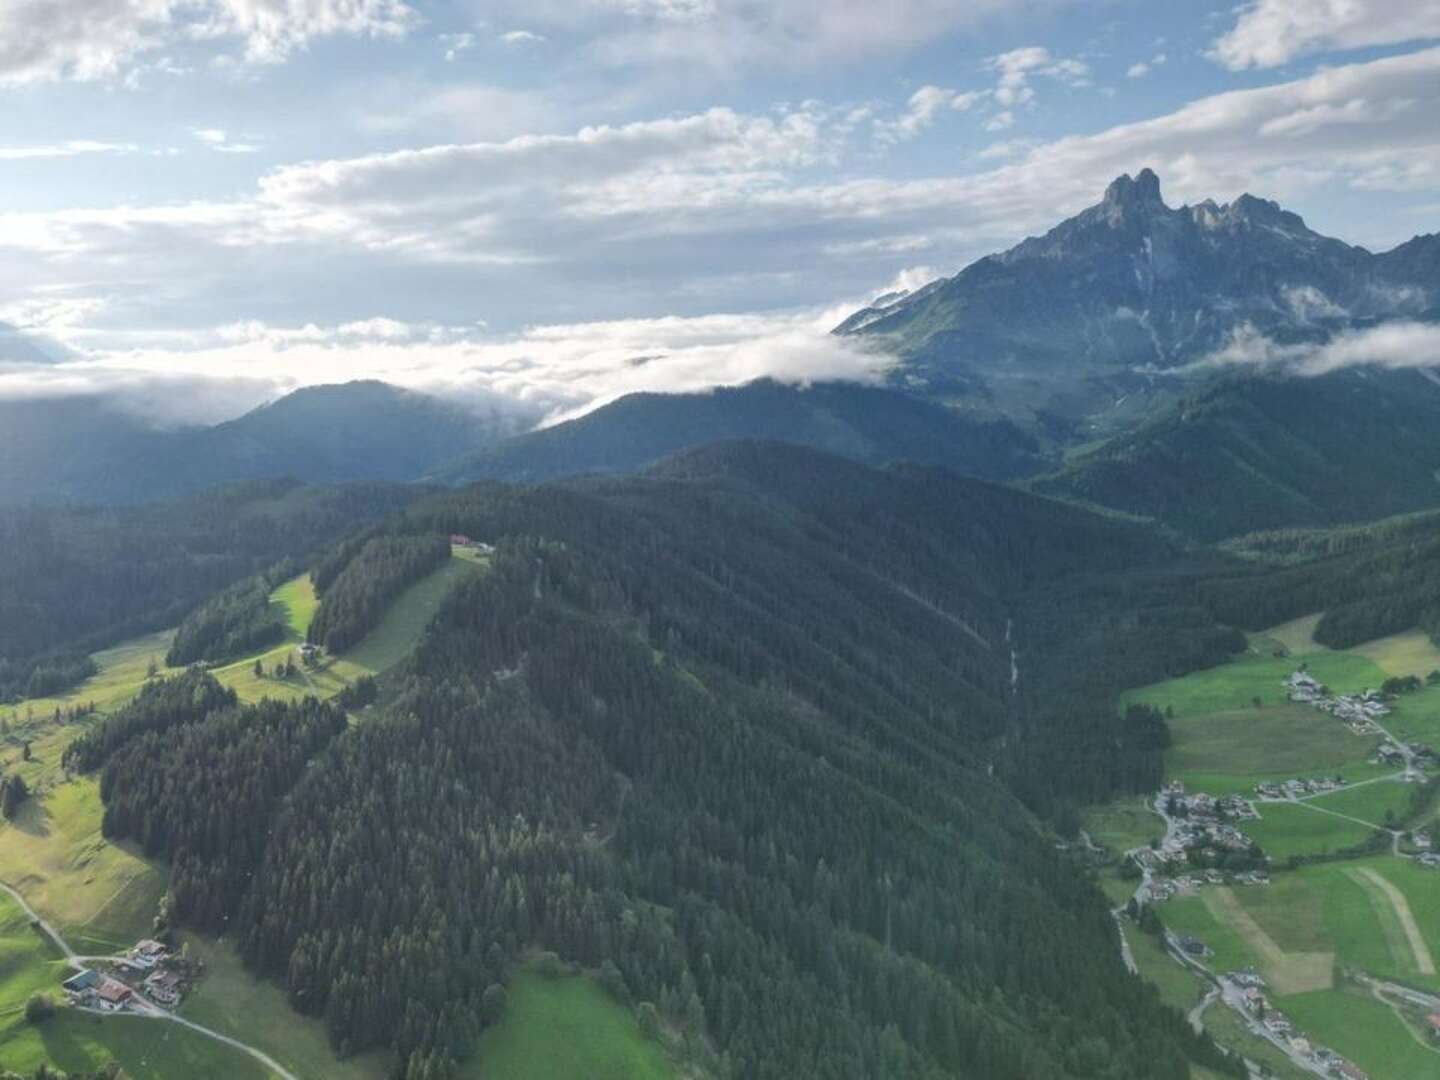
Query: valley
[[1339, 924]]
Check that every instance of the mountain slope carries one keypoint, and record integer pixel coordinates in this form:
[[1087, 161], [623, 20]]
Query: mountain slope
[[867, 424], [1260, 453], [83, 449], [725, 732], [1073, 321]]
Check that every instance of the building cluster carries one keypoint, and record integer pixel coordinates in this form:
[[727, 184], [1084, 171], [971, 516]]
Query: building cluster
[[1250, 988], [146, 969], [1298, 787], [1359, 711], [460, 540]]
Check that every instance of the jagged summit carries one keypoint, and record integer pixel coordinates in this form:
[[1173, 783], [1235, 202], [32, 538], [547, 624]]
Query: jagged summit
[[1143, 190], [1065, 323]]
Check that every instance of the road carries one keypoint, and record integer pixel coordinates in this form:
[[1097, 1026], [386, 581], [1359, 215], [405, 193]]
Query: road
[[141, 1006]]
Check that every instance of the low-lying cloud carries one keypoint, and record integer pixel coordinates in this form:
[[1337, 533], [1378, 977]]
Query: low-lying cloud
[[541, 375], [1395, 345]]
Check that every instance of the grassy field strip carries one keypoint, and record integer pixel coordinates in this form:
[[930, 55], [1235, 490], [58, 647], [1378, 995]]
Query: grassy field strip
[[1287, 972], [1335, 813], [1410, 653], [1298, 635], [1424, 961]]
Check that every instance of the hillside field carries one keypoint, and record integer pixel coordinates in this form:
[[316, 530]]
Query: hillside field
[[102, 896], [565, 1028]]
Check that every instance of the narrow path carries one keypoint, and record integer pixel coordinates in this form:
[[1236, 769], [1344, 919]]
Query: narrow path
[[1388, 777], [1424, 962], [145, 1008], [1196, 1016]]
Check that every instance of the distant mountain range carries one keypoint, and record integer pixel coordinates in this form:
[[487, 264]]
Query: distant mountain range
[[1066, 363], [867, 424], [83, 450], [1077, 329]]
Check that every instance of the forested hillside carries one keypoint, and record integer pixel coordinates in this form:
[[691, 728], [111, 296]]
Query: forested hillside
[[78, 579], [866, 423], [730, 729], [1259, 453]]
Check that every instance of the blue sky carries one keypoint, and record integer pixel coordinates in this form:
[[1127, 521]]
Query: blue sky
[[208, 202]]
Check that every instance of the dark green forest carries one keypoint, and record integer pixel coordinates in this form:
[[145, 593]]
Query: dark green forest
[[354, 598], [741, 728], [77, 580], [235, 621]]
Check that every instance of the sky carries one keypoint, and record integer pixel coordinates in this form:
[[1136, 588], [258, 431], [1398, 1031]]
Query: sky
[[543, 205]]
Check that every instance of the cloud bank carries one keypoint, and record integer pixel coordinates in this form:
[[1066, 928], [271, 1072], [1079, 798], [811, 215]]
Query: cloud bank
[[1396, 345]]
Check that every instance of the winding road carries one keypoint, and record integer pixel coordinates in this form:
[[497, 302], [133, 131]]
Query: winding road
[[143, 1007]]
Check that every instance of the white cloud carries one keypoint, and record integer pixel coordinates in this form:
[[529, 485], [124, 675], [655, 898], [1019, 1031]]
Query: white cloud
[[1142, 68], [718, 209], [218, 140], [521, 37], [47, 40], [1273, 32], [921, 110], [455, 44], [726, 36], [1396, 345], [70, 148], [1001, 121], [550, 372]]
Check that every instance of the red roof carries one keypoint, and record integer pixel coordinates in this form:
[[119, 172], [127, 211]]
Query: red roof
[[111, 990]]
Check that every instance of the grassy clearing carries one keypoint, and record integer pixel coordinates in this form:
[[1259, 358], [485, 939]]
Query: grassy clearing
[[1286, 829], [1128, 823], [1407, 946], [1319, 909], [148, 1049], [565, 1028], [1411, 653], [122, 672], [1417, 716], [1369, 802], [1290, 965], [1364, 1030], [384, 647], [1238, 683], [1234, 750], [1298, 635], [100, 895], [232, 1001], [1196, 916]]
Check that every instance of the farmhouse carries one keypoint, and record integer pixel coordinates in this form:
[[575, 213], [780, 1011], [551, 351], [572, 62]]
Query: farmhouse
[[146, 954], [1433, 1023], [164, 987], [113, 995]]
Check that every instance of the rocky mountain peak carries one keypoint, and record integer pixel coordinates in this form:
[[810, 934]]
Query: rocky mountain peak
[[1141, 191]]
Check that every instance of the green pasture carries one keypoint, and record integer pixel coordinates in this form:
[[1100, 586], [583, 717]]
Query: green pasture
[[232, 1001], [1286, 829], [1370, 801], [1230, 751], [1236, 684], [1368, 1032], [147, 1049], [1124, 824], [565, 1028]]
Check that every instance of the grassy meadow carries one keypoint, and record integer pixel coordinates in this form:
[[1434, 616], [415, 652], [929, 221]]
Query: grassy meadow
[[565, 1028]]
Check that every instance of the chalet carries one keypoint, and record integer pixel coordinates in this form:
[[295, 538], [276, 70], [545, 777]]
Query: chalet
[[1421, 840], [145, 955], [164, 987], [309, 650], [113, 995], [1429, 860], [1346, 1071], [1246, 977], [1432, 1022]]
